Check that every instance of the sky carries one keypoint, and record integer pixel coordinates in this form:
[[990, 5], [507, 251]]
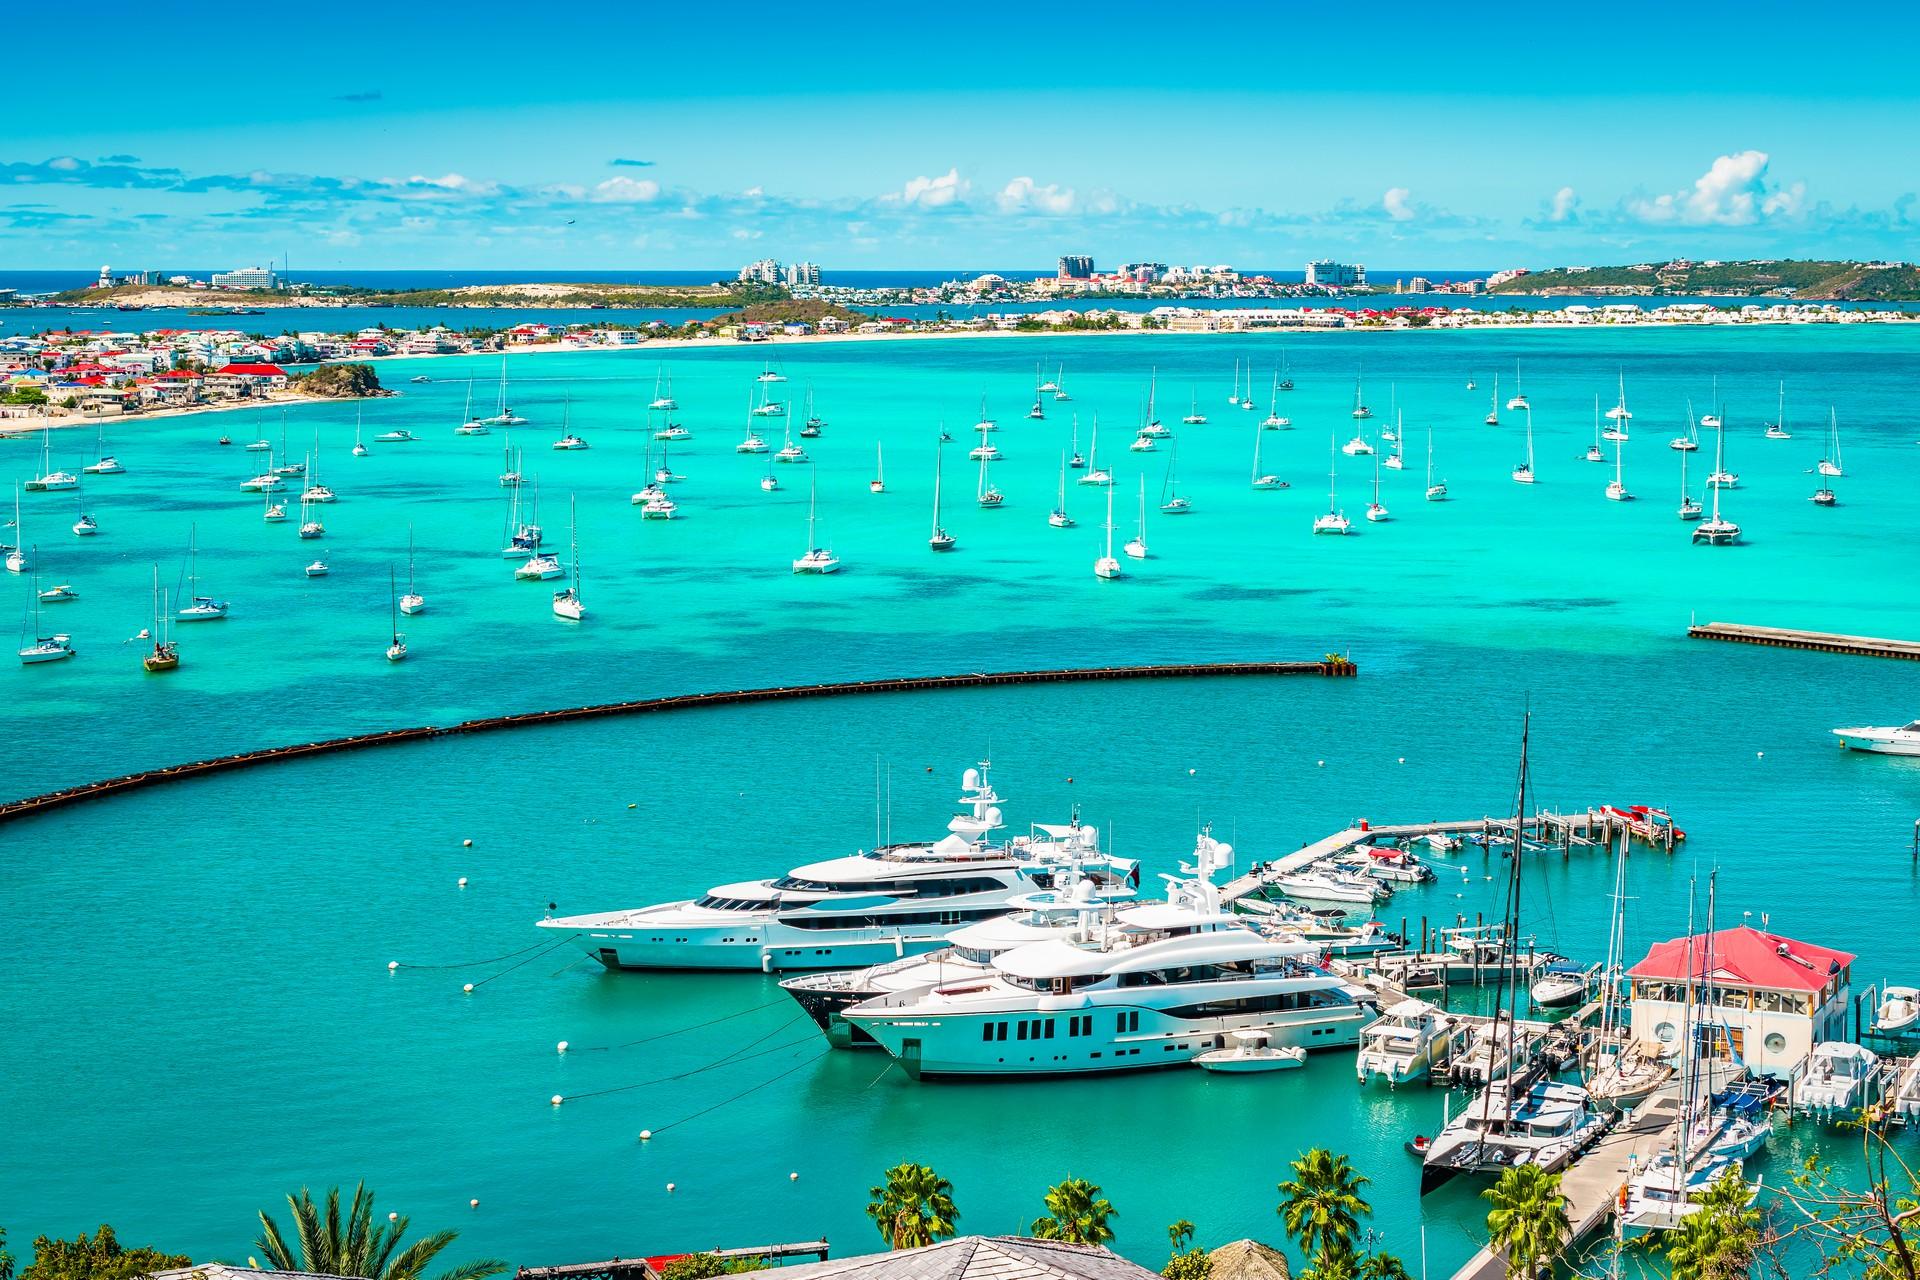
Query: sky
[[861, 136]]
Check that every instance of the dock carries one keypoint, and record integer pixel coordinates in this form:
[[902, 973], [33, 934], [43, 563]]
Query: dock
[[1592, 1184], [1820, 641], [1332, 665], [650, 1268]]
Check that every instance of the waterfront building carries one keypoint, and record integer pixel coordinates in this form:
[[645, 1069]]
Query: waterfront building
[[1768, 999], [978, 1258], [1076, 266], [1325, 273], [246, 278], [1419, 284]]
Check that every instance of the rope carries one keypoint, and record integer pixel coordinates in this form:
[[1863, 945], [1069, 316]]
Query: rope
[[744, 1092], [694, 1026], [529, 960], [682, 1075], [474, 964]]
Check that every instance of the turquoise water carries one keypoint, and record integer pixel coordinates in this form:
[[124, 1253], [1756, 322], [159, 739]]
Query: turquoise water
[[201, 1014]]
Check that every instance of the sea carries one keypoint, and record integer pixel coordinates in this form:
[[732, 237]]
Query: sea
[[196, 976]]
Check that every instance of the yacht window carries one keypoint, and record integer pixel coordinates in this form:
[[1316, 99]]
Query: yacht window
[[1022, 1033], [1049, 1027]]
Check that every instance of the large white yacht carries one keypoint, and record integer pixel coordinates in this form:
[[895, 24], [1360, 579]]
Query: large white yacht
[[1157, 985], [1892, 740], [895, 900], [970, 950]]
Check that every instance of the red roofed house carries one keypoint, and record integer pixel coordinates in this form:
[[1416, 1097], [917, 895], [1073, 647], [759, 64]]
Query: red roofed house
[[1774, 997], [241, 380]]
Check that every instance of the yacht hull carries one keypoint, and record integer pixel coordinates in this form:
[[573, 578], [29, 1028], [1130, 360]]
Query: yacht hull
[[742, 947]]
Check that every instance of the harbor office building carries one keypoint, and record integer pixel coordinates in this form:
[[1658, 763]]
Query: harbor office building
[[1758, 998]]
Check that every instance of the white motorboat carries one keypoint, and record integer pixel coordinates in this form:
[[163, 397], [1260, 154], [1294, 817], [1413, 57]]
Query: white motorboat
[[317, 568], [397, 436], [1159, 984], [1404, 1042], [539, 567], [1248, 1052], [1557, 985], [1835, 1078], [1309, 885], [1886, 740], [59, 594], [895, 900], [1899, 1010]]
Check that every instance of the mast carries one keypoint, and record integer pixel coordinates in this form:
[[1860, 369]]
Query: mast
[[1507, 985], [937, 454]]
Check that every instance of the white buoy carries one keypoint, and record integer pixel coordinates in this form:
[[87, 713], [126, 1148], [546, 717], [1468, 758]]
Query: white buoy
[[1323, 764], [473, 1204], [632, 806], [669, 1188], [393, 1217], [645, 1134], [463, 882], [1189, 773], [793, 1177], [557, 1099], [1760, 755], [392, 965], [468, 988], [466, 844], [1403, 759], [562, 1046]]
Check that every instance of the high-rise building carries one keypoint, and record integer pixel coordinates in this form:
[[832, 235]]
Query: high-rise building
[[1328, 274], [1419, 284], [765, 271], [802, 274], [1076, 266], [246, 278]]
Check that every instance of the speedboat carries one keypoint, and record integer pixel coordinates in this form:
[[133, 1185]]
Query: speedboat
[[395, 437], [1558, 985], [1162, 984], [1309, 885], [1402, 1044], [1898, 1011], [1887, 740], [59, 594], [318, 569], [1834, 1079], [1249, 1052], [878, 905]]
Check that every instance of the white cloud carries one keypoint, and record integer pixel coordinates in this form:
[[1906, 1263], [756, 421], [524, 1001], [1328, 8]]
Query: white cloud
[[1566, 206], [1024, 195], [623, 190], [931, 193], [741, 233], [453, 182], [1398, 202], [1733, 193]]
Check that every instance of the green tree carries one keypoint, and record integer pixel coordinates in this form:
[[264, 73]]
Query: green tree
[[1384, 1266], [914, 1207], [1335, 1260], [6, 1259], [1528, 1218], [1179, 1234], [1720, 1240], [1076, 1213], [705, 1266], [99, 1258], [331, 1246], [1321, 1204]]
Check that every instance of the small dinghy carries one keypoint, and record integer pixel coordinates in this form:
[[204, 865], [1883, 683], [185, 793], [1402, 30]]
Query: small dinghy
[[1899, 1010], [1250, 1052]]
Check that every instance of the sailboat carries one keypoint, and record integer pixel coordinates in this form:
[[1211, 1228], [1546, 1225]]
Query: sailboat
[[770, 374], [1518, 400], [1493, 409], [1436, 490], [1360, 409], [1687, 442], [1397, 460], [1716, 531], [752, 443], [1194, 417], [1375, 511], [84, 525], [1060, 385], [1777, 429], [790, 452], [17, 559], [275, 513], [1617, 487], [1096, 474], [769, 482], [1233, 396], [50, 479], [1058, 517], [1261, 479], [939, 539], [42, 648], [1689, 505], [1523, 474], [814, 424], [315, 491], [1830, 465], [166, 654], [566, 601], [310, 527], [663, 401], [1136, 547], [1171, 502], [1618, 417], [469, 425], [359, 450], [1077, 462], [1106, 566], [503, 417], [1286, 378], [985, 424], [396, 647], [1042, 381], [412, 602], [568, 441], [987, 494], [1594, 452], [1274, 421], [818, 559], [104, 463], [879, 482], [199, 608], [1335, 521], [1721, 477]]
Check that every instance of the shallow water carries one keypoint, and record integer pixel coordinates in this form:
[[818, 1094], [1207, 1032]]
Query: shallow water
[[224, 942]]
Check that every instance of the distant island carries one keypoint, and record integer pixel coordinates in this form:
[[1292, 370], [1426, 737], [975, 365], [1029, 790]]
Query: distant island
[[1810, 280], [479, 296]]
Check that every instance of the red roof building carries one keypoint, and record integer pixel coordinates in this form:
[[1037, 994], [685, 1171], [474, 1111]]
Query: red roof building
[[1746, 957]]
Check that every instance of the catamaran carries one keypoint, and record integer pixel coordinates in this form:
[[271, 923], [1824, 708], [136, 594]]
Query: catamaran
[[199, 608], [818, 559], [1335, 521], [663, 401], [50, 479], [1716, 531], [1194, 417], [895, 900]]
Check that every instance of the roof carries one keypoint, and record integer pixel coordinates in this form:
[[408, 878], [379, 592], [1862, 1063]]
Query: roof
[[253, 370], [979, 1258], [1746, 956], [1247, 1260]]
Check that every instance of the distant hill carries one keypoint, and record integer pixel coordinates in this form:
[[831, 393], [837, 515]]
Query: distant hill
[[1812, 281]]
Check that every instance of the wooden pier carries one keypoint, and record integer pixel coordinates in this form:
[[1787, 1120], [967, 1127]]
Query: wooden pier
[[1333, 665], [1592, 1184], [1821, 641]]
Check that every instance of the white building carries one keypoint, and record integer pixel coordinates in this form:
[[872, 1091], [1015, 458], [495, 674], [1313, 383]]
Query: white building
[[1328, 274], [802, 275], [1768, 998], [764, 271], [246, 278]]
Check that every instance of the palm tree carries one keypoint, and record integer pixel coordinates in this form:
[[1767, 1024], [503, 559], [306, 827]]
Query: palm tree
[[331, 1246], [1528, 1218], [1078, 1214], [1384, 1266], [1180, 1234], [1321, 1204], [1718, 1242], [1335, 1260], [913, 1208]]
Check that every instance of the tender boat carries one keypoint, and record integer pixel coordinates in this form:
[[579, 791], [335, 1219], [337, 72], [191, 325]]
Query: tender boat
[[1899, 1010], [1249, 1052], [1560, 984], [1834, 1079], [1403, 1043]]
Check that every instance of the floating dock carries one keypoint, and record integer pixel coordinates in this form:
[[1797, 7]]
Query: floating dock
[[1333, 665], [1821, 641]]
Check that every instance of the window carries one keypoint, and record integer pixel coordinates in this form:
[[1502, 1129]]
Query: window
[[1049, 1026], [1022, 1034]]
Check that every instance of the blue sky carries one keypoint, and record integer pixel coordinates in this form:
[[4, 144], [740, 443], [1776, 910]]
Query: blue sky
[[533, 136]]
